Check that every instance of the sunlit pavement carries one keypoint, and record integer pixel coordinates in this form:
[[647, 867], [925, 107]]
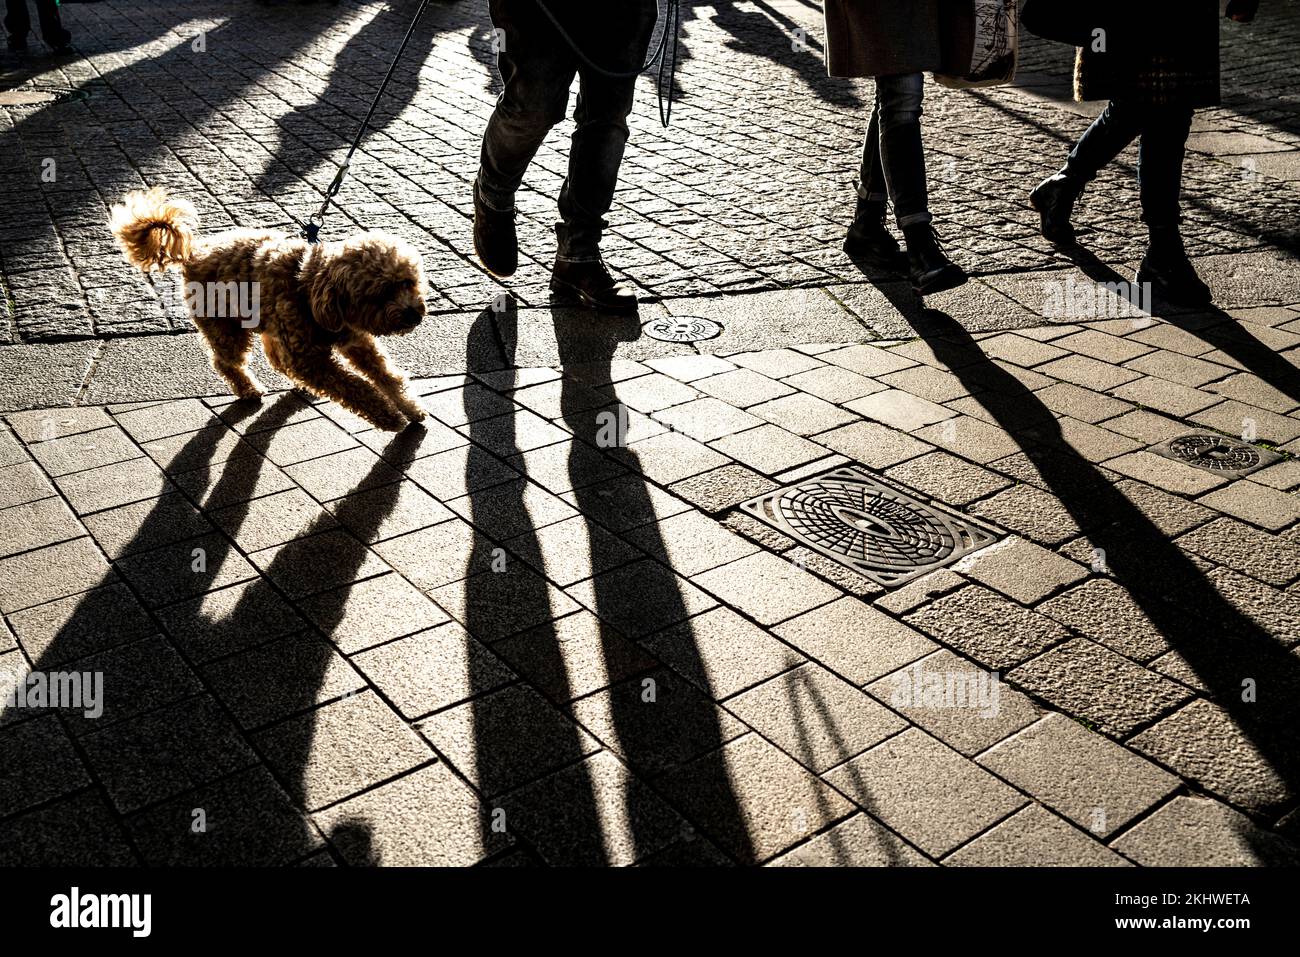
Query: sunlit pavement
[[544, 628]]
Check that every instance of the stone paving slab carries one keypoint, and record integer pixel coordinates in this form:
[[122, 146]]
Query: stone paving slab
[[371, 603], [500, 639]]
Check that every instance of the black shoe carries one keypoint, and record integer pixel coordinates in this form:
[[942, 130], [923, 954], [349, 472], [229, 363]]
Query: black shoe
[[870, 238], [17, 44], [1170, 273], [495, 239], [589, 282], [1054, 198], [928, 268]]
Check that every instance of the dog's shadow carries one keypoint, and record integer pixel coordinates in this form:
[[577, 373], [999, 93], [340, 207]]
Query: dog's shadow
[[250, 819]]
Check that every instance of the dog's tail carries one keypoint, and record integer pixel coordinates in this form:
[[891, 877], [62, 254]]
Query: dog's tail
[[155, 231]]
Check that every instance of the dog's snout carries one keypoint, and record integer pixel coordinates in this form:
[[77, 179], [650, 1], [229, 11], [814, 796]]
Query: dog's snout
[[411, 316]]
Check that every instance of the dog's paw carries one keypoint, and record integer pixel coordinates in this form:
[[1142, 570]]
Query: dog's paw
[[250, 393], [413, 412], [391, 422]]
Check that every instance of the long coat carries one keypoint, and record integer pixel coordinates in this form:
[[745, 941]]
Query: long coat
[[1156, 53], [885, 37]]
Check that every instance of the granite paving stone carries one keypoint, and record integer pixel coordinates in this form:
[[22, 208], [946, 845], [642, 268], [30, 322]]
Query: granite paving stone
[[1092, 781], [1209, 746], [860, 841], [84, 450], [432, 670], [818, 719], [1034, 837], [428, 818], [924, 790], [855, 640], [1020, 569], [991, 630], [1199, 832], [45, 574], [341, 749], [722, 653], [753, 800], [767, 587], [965, 707], [36, 524], [507, 738], [1085, 679]]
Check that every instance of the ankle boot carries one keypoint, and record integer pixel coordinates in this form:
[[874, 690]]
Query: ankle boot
[[928, 268], [589, 281], [495, 239], [869, 237], [1170, 272], [1054, 198]]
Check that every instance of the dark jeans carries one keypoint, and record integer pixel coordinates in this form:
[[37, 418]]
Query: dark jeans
[[19, 22], [1160, 157], [538, 67], [893, 159]]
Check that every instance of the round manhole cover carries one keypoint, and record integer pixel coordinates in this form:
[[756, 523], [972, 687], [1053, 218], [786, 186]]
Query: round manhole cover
[[1215, 452], [33, 97], [682, 329]]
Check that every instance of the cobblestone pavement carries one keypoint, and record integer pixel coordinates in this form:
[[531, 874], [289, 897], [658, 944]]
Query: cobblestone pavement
[[748, 190], [508, 638]]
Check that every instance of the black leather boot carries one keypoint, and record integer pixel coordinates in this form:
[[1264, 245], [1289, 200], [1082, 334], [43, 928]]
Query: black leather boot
[[1170, 272], [589, 282], [870, 238], [927, 266], [1054, 198], [495, 239]]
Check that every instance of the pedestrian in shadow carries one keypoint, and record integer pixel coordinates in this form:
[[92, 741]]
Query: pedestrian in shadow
[[539, 57], [897, 43], [1156, 61], [18, 23]]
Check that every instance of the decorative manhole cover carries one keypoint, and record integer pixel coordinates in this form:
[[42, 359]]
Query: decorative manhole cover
[[682, 329], [877, 529], [1216, 453], [28, 96]]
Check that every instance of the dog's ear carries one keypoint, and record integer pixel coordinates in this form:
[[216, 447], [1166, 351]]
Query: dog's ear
[[326, 309]]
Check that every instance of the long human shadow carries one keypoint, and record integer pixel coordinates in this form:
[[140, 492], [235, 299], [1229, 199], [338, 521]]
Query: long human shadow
[[187, 95], [354, 79], [770, 34], [1210, 324], [304, 675], [491, 593], [1221, 645], [590, 341]]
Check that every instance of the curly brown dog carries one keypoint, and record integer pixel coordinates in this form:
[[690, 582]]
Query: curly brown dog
[[312, 305]]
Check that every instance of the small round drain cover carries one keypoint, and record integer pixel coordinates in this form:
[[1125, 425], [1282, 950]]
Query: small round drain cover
[[1216, 452], [682, 329], [33, 97]]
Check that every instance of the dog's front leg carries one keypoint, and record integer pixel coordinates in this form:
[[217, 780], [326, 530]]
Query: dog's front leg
[[368, 357], [328, 379]]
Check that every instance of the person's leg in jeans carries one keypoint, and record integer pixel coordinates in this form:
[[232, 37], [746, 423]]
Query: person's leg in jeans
[[537, 68], [617, 37], [898, 100], [868, 237], [1107, 137], [1160, 177], [902, 160]]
